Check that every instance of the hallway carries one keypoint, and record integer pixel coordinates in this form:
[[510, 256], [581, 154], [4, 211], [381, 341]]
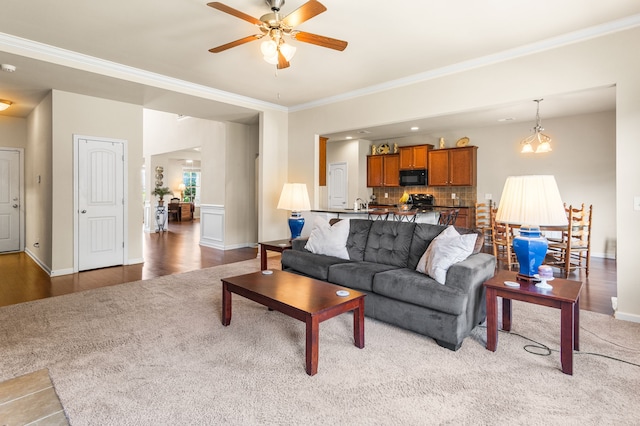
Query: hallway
[[171, 252]]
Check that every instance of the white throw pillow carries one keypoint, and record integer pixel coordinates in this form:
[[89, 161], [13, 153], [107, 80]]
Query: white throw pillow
[[329, 240], [445, 250]]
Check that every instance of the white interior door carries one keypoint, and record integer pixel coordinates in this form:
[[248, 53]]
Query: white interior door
[[338, 190], [9, 201], [100, 203]]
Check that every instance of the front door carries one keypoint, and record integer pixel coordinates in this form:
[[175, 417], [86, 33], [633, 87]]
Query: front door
[[100, 203], [338, 186], [9, 200]]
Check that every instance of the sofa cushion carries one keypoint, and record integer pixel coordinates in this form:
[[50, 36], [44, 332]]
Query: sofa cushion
[[423, 234], [389, 243], [357, 239], [312, 265], [330, 240], [356, 275], [413, 287], [446, 249]]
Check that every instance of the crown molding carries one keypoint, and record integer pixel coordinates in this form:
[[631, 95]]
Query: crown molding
[[44, 52], [622, 24]]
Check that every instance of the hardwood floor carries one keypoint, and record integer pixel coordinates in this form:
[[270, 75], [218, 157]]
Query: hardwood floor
[[171, 252], [177, 250]]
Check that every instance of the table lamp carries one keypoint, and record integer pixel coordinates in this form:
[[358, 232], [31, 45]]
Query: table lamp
[[531, 202], [181, 188], [295, 197]]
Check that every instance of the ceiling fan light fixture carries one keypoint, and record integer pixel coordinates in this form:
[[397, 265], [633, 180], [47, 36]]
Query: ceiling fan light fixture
[[4, 104], [288, 51], [269, 48]]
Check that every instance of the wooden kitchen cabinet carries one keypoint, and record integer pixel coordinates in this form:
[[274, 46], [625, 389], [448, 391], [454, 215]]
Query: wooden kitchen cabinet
[[383, 170], [414, 157], [453, 166]]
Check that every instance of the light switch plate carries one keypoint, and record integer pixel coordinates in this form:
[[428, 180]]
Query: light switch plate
[[488, 197], [453, 196], [636, 203]]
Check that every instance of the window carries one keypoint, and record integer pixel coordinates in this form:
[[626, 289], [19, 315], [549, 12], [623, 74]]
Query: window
[[191, 180]]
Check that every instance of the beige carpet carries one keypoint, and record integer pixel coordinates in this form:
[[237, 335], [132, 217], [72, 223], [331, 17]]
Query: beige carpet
[[155, 353]]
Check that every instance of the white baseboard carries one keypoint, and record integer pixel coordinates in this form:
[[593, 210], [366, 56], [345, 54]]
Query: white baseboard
[[135, 261], [58, 272], [32, 255], [626, 317]]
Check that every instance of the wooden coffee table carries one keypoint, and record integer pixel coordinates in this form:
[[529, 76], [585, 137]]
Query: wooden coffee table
[[305, 299], [565, 295]]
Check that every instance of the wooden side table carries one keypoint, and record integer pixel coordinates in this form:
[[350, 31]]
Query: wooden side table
[[277, 245], [565, 295]]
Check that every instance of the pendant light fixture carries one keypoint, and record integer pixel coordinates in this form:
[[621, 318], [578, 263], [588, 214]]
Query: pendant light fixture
[[542, 141], [4, 104]]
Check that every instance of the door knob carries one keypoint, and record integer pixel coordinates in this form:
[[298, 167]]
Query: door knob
[[83, 211], [15, 206]]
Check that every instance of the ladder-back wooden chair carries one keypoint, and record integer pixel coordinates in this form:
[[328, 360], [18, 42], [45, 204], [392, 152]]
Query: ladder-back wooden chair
[[573, 250], [502, 238], [483, 221]]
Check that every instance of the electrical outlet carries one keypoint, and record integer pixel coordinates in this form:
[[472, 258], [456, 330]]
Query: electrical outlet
[[636, 203], [453, 196], [386, 195], [488, 197]]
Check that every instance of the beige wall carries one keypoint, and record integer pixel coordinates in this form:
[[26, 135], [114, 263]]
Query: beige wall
[[38, 194], [13, 132], [274, 173], [241, 213], [594, 63], [89, 116]]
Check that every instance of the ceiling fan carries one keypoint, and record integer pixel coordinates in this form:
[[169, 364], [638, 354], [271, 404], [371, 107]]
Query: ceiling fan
[[276, 27]]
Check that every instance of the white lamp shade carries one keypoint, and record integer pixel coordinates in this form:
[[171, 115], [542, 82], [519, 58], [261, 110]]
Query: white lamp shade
[[294, 197], [531, 200]]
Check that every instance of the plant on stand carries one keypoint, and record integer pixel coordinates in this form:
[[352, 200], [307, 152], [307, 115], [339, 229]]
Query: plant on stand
[[160, 192]]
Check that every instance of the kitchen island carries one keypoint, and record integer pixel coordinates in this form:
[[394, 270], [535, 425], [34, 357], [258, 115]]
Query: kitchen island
[[421, 217]]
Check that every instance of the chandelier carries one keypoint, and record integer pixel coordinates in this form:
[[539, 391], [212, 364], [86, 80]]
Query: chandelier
[[541, 140]]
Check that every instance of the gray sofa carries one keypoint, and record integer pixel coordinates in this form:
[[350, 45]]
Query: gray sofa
[[383, 256]]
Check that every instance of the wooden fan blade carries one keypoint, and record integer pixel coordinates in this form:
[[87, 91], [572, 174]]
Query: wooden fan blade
[[231, 11], [282, 61], [303, 13], [244, 40], [319, 40]]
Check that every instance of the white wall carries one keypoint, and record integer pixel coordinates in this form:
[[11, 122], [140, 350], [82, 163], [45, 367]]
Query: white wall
[[599, 62]]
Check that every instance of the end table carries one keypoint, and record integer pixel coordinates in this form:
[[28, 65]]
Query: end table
[[277, 245], [565, 295]]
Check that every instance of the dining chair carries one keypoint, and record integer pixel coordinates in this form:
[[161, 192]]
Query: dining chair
[[502, 241], [174, 209], [572, 250], [483, 220]]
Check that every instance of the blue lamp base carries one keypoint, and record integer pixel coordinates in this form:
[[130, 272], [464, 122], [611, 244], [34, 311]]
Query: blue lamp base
[[296, 223], [530, 248]]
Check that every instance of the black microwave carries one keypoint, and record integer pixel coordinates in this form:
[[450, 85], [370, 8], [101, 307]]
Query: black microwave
[[413, 177]]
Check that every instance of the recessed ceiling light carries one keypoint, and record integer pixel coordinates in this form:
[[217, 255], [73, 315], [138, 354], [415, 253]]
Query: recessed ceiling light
[[7, 67], [506, 119], [414, 128], [4, 104], [349, 137]]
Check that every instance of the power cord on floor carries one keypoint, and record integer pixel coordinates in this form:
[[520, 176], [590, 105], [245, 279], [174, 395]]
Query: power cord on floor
[[546, 351]]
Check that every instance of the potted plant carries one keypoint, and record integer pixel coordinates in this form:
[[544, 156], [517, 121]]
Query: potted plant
[[160, 192]]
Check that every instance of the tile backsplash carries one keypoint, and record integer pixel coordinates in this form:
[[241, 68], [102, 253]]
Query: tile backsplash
[[465, 195]]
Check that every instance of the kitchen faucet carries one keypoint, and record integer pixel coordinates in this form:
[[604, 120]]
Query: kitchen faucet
[[363, 204]]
